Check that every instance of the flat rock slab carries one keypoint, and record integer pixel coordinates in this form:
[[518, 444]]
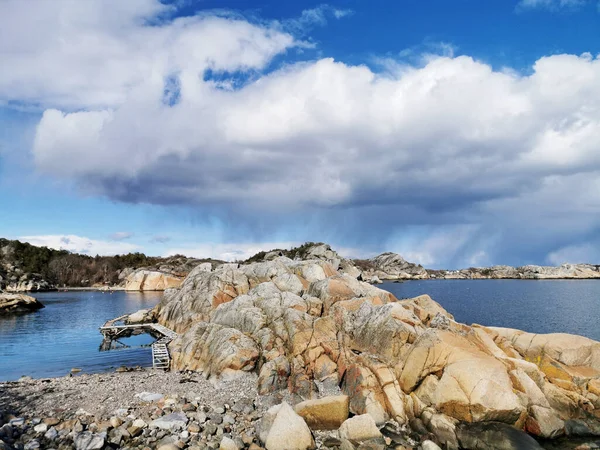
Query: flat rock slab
[[149, 396], [89, 441], [173, 421]]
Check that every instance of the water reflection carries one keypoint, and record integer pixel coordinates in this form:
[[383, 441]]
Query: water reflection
[[65, 334]]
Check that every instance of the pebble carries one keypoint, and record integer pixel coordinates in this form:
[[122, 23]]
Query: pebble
[[115, 422], [41, 428], [32, 445], [51, 434]]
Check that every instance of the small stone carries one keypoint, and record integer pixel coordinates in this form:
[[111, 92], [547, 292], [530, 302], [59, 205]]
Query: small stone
[[168, 447], [210, 429], [18, 422], [246, 439], [219, 410], [41, 428], [6, 431], [228, 419], [188, 407], [115, 422], [51, 434], [173, 421], [228, 444], [194, 428], [32, 445], [121, 412], [201, 417], [89, 441], [139, 423], [430, 445], [216, 418], [134, 431]]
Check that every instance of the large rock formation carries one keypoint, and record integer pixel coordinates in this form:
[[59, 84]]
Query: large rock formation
[[530, 272], [305, 327], [390, 266], [17, 303], [151, 280]]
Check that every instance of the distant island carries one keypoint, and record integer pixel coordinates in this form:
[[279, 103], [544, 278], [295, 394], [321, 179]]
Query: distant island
[[28, 268]]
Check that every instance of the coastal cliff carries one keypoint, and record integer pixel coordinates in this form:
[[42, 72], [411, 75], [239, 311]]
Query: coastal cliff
[[305, 327]]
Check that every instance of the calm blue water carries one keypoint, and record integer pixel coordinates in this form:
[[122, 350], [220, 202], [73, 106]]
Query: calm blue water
[[63, 335], [537, 306]]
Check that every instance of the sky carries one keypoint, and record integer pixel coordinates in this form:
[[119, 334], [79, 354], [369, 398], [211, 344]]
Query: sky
[[455, 132]]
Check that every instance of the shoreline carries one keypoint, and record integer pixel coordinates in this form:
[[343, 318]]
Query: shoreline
[[146, 408]]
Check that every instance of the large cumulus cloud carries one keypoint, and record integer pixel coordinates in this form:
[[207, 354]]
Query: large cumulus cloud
[[191, 111]]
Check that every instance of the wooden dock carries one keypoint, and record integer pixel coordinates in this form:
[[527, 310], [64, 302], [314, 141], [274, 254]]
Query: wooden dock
[[160, 350]]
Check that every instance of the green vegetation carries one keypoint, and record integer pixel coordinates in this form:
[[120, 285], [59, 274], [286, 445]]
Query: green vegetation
[[63, 268], [299, 252]]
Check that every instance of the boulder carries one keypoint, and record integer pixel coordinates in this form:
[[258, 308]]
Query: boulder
[[141, 316], [151, 280], [494, 436], [18, 303], [282, 429], [359, 428], [89, 441], [324, 414]]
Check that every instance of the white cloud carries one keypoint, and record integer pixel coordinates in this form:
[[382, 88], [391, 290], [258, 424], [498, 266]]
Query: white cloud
[[79, 244], [575, 254], [325, 133], [99, 53], [448, 140], [552, 5], [121, 236], [312, 17]]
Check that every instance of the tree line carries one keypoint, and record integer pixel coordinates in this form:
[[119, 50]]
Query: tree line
[[63, 268]]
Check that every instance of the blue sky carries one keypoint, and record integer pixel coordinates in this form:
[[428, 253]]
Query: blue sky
[[456, 133]]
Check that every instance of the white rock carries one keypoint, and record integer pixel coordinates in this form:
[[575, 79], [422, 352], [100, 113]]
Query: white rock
[[41, 428], [173, 421], [139, 423], [89, 441], [32, 445], [228, 444], [359, 428], [429, 445], [51, 434], [282, 429], [149, 396]]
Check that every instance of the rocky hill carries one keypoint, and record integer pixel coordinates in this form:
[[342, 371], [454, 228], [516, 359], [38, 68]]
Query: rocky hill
[[389, 266], [529, 272], [307, 328], [25, 267]]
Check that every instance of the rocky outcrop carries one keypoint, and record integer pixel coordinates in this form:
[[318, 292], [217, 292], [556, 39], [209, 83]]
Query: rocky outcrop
[[390, 266], [17, 303], [307, 328], [150, 280], [530, 272]]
